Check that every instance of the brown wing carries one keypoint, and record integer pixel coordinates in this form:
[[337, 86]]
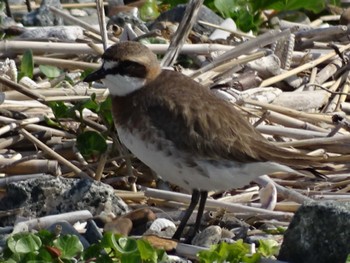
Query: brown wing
[[202, 123], [199, 122]]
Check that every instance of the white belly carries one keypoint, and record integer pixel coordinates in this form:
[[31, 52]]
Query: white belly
[[173, 166]]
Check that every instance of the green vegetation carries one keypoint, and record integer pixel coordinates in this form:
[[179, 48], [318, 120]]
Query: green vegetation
[[44, 246], [27, 65], [48, 247], [50, 71], [238, 252], [247, 13], [91, 144]]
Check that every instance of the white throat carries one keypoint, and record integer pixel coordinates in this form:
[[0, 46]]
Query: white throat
[[119, 85]]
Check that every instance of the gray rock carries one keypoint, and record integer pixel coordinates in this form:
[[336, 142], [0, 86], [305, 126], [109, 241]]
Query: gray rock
[[93, 233], [4, 234], [16, 2], [121, 19], [43, 16], [78, 12], [209, 236], [54, 195], [318, 233], [66, 33], [161, 227], [176, 14]]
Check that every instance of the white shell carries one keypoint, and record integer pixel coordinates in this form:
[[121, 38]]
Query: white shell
[[221, 34], [160, 224]]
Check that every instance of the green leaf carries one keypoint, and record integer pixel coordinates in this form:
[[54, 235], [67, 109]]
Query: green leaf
[[131, 258], [120, 245], [46, 237], [125, 245], [240, 11], [90, 104], [233, 253], [69, 245], [147, 252], [23, 243], [50, 71], [105, 112], [61, 110], [246, 13], [32, 257], [255, 258], [51, 122], [44, 255], [91, 143], [27, 65], [149, 10], [315, 6], [225, 7], [11, 260], [95, 252], [268, 247]]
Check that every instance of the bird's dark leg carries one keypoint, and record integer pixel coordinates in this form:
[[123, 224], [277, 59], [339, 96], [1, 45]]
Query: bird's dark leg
[[204, 195], [194, 201]]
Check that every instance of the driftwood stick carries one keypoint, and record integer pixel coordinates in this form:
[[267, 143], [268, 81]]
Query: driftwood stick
[[292, 122], [184, 198], [292, 72], [65, 63], [291, 132], [51, 93], [66, 5], [244, 48], [78, 48], [182, 32], [293, 113], [53, 154], [20, 88], [46, 221], [34, 166]]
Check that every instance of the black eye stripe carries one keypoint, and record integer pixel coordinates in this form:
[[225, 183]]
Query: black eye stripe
[[129, 68]]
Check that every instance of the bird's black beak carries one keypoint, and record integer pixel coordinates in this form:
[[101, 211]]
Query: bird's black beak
[[96, 75]]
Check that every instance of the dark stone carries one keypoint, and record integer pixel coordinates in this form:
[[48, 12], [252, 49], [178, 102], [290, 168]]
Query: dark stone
[[4, 234], [205, 14], [56, 32], [318, 233], [208, 237], [93, 233], [55, 195], [121, 19], [43, 16]]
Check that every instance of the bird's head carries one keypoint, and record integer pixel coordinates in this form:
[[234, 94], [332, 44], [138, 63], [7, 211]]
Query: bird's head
[[127, 67]]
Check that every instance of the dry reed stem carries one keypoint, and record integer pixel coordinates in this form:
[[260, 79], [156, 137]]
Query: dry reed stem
[[53, 154], [294, 71]]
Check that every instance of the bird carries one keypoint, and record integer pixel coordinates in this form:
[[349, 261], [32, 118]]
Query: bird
[[183, 131]]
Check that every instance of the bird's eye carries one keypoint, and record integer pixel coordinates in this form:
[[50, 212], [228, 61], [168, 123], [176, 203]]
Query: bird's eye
[[126, 67], [131, 68]]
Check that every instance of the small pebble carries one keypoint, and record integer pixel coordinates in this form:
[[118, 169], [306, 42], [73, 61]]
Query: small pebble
[[209, 236], [78, 12], [162, 227]]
